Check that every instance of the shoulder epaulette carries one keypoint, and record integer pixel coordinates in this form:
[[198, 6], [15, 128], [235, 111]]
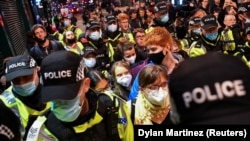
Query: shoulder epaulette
[[9, 97]]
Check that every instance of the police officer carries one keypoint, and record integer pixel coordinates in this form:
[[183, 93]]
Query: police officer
[[194, 33], [112, 33], [210, 38], [76, 114], [24, 95], [162, 18], [69, 26], [231, 37], [104, 53]]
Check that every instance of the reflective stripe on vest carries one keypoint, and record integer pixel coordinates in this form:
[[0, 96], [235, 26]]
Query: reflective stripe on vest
[[184, 44], [83, 127], [228, 40], [20, 109], [78, 50], [130, 37], [110, 39], [38, 132]]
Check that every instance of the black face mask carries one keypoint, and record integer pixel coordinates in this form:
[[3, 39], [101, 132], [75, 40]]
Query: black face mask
[[40, 41], [156, 57], [71, 41]]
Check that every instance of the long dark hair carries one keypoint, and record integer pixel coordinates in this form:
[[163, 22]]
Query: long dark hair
[[95, 76]]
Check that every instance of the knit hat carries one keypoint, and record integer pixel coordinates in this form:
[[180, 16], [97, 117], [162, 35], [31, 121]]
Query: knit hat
[[211, 89]]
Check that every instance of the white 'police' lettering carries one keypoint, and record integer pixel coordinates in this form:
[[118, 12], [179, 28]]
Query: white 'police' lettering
[[100, 55], [162, 6], [19, 64], [228, 89], [57, 75], [209, 19]]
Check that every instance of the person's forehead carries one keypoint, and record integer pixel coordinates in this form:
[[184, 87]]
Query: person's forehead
[[128, 52], [120, 69], [69, 33], [39, 29], [140, 33], [153, 46], [211, 29]]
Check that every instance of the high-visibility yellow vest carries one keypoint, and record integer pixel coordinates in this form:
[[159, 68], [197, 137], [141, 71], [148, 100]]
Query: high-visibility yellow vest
[[19, 108], [227, 40], [125, 124]]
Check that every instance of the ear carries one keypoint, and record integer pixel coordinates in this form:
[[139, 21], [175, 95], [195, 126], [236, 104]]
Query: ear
[[167, 49], [38, 69], [140, 88], [84, 88], [85, 85]]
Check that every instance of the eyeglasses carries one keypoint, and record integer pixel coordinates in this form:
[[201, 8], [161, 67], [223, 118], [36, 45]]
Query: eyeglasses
[[163, 85], [140, 36]]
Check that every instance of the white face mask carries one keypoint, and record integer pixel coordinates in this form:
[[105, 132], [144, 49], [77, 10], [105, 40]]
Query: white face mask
[[157, 97], [90, 62], [95, 36], [112, 27], [124, 80], [131, 59]]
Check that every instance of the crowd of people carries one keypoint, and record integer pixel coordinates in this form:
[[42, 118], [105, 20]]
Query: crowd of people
[[154, 64]]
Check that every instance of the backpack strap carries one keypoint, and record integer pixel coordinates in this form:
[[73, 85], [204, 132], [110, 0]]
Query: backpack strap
[[112, 116], [133, 109]]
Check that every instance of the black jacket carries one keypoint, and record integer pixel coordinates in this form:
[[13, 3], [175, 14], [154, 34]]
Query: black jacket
[[38, 52], [98, 132]]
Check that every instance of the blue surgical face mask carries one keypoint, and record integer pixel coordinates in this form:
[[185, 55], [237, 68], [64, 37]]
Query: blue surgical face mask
[[25, 89], [67, 110], [247, 20], [90, 62], [94, 36], [211, 36], [66, 23], [164, 18], [112, 27], [197, 31]]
